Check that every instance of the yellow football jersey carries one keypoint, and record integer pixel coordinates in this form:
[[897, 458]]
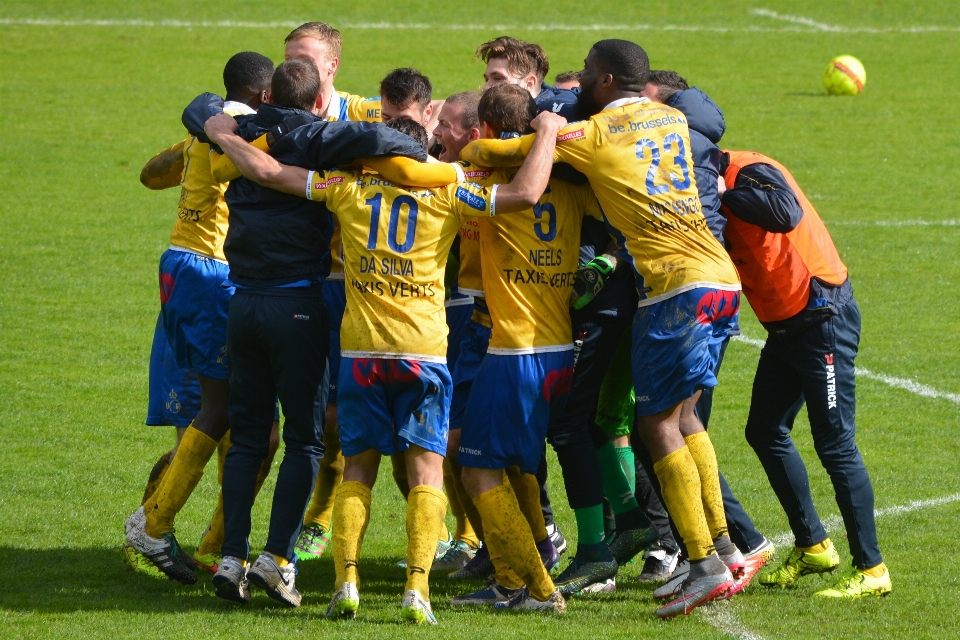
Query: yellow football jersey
[[396, 242], [348, 108], [470, 278], [202, 213], [637, 158], [529, 262]]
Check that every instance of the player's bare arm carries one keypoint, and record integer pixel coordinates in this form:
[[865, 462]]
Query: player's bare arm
[[525, 189], [164, 170], [253, 163]]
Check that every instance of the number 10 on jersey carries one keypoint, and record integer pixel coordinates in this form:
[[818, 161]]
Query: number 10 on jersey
[[401, 205]]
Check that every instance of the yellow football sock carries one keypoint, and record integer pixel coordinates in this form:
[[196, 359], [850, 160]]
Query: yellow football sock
[[473, 516], [213, 538], [680, 485], [508, 531], [222, 447], [501, 570], [704, 456], [156, 475], [876, 572], [426, 508], [178, 482], [280, 560], [351, 514], [464, 532], [817, 548], [527, 490], [329, 478]]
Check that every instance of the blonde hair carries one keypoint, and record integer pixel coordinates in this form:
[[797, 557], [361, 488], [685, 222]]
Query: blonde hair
[[319, 31]]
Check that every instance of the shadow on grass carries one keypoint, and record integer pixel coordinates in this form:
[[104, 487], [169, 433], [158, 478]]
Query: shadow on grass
[[67, 580], [97, 579]]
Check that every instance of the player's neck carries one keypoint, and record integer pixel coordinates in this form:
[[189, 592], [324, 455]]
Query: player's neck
[[252, 100], [623, 95], [620, 98], [328, 95]]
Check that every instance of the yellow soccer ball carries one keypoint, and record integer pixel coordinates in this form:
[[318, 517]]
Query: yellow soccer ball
[[844, 76]]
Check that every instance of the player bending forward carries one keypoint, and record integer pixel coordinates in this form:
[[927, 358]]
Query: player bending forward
[[394, 383]]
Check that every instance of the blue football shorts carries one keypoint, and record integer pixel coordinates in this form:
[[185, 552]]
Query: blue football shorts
[[335, 299], [473, 349], [174, 393], [509, 409], [193, 304], [458, 310], [676, 344], [388, 404]]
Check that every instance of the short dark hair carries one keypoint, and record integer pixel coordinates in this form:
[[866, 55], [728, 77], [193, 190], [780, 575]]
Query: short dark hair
[[668, 83], [507, 109], [410, 127], [469, 101], [404, 87], [567, 76], [296, 83], [318, 31], [247, 72], [522, 57], [626, 61]]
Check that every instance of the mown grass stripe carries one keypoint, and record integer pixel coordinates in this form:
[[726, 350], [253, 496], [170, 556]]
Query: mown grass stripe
[[421, 26]]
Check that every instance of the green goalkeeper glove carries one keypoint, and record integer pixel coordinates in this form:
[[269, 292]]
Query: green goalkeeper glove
[[590, 280]]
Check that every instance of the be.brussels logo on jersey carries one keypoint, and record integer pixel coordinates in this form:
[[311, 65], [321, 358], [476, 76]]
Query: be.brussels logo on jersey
[[573, 135], [471, 199], [477, 173]]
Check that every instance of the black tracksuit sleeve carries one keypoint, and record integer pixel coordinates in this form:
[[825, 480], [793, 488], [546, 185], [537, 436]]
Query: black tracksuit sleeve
[[202, 108], [761, 196], [326, 145]]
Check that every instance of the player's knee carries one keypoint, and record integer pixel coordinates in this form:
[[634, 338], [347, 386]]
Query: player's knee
[[330, 425], [453, 444]]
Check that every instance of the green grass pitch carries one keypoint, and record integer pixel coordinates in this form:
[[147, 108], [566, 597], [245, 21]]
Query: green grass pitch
[[85, 105]]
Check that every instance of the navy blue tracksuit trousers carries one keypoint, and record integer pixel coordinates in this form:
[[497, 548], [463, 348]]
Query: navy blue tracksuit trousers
[[278, 341], [816, 367]]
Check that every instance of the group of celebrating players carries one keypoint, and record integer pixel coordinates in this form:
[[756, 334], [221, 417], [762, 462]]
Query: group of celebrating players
[[454, 283]]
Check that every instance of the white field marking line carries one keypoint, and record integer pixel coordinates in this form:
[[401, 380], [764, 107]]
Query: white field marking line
[[807, 22], [834, 522], [895, 223], [900, 383], [832, 28], [722, 617], [801, 26]]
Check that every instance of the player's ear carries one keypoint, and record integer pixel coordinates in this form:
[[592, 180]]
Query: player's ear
[[530, 84], [474, 134]]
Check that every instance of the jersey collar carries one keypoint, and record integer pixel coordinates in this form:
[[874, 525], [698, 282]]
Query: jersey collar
[[235, 108], [337, 110], [622, 102]]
